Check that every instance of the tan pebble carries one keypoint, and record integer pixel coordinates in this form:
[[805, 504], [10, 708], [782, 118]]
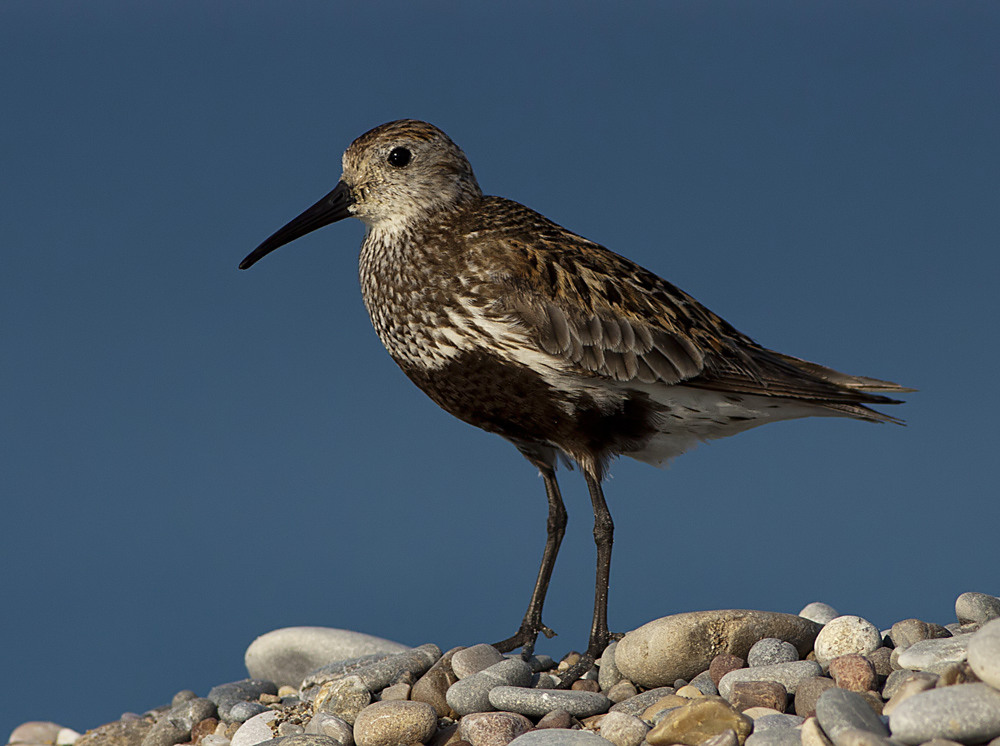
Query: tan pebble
[[203, 728], [35, 732], [664, 703], [493, 728], [957, 673], [621, 691], [691, 692], [569, 660], [396, 692], [698, 721], [585, 685], [812, 734], [395, 722], [759, 712], [746, 694], [268, 699], [906, 690], [589, 723], [623, 730], [558, 719], [287, 691]]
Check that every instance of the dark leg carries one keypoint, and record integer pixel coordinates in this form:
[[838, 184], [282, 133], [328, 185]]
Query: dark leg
[[532, 624], [604, 529]]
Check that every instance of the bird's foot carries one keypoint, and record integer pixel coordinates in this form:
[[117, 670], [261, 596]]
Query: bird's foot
[[586, 662], [525, 638]]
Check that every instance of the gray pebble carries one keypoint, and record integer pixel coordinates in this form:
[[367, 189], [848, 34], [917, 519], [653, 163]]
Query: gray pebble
[[976, 607], [560, 737], [538, 702], [225, 696], [474, 659], [934, 655], [607, 672], [777, 720], [243, 711], [166, 732], [622, 729], [787, 674], [774, 737], [325, 724], [856, 737], [380, 674], [839, 710], [472, 694], [255, 730], [984, 653], [819, 612], [301, 739], [770, 650], [193, 710], [637, 705], [703, 683], [968, 713], [898, 678], [182, 696]]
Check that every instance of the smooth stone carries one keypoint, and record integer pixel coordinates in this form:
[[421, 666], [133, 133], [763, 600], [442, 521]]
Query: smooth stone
[[67, 737], [325, 724], [704, 683], [655, 712], [728, 737], [238, 713], [492, 728], [226, 696], [622, 729], [608, 673], [984, 653], [776, 721], [907, 689], [637, 705], [555, 719], [472, 694], [839, 710], [474, 659], [857, 737], [287, 655], [167, 731], [695, 722], [976, 608], [819, 612], [935, 655], [256, 730], [897, 678], [758, 712], [812, 734], [344, 698], [722, 664], [683, 645], [560, 737], [621, 691], [769, 651], [395, 722], [746, 694], [539, 702], [774, 737], [192, 711], [302, 739], [395, 692], [35, 732], [124, 732], [844, 635], [787, 674], [853, 672], [690, 691], [433, 685], [967, 713], [376, 671], [908, 631]]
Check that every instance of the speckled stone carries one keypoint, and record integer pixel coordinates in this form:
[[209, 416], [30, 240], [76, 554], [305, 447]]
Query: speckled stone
[[984, 653], [607, 670], [839, 710], [701, 719], [623, 730], [769, 651], [621, 691], [808, 692], [787, 674], [256, 729], [722, 664], [472, 694], [474, 659], [395, 722], [683, 645], [746, 694], [344, 698], [819, 612], [637, 705], [538, 702], [776, 720], [934, 655], [325, 724], [967, 713], [225, 696], [857, 737], [492, 728], [560, 737], [845, 635], [774, 737], [976, 608], [908, 631], [853, 672]]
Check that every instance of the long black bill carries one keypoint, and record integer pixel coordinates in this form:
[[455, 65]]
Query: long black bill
[[330, 209]]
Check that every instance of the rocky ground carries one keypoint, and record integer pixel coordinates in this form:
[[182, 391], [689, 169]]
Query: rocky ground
[[719, 678]]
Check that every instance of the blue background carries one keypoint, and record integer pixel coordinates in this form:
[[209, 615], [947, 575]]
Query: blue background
[[194, 455]]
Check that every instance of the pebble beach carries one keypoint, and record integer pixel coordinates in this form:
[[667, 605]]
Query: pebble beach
[[716, 678]]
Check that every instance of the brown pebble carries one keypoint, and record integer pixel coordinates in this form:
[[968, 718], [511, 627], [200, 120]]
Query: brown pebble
[[722, 664], [881, 659], [432, 686], [569, 660], [203, 728], [807, 694], [557, 719], [957, 673], [874, 700], [698, 721], [746, 694], [268, 699], [853, 672]]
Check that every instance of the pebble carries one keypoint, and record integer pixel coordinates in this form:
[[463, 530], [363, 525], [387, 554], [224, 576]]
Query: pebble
[[787, 674], [704, 683], [676, 646], [984, 653], [433, 685], [897, 678], [774, 737], [655, 712], [608, 674], [812, 734], [225, 696], [637, 704], [560, 737], [394, 722], [728, 737], [286, 655], [771, 650], [746, 694], [976, 608], [857, 737], [844, 635], [301, 740], [839, 710], [472, 694], [819, 612], [474, 659], [35, 732], [701, 719], [853, 672], [908, 631], [492, 728], [909, 687], [967, 713], [722, 664], [344, 698], [621, 691], [256, 729], [555, 719], [776, 720], [539, 702], [325, 724], [934, 655], [623, 730], [238, 713], [124, 732]]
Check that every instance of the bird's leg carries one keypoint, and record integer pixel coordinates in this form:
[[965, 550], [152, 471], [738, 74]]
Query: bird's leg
[[532, 624], [604, 529]]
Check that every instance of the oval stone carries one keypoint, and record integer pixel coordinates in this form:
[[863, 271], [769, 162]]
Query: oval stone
[[683, 645], [393, 722], [967, 713]]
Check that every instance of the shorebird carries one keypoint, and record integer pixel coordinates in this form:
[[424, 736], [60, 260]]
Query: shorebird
[[566, 349]]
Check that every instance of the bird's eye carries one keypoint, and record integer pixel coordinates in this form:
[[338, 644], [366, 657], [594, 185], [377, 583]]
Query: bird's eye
[[399, 157]]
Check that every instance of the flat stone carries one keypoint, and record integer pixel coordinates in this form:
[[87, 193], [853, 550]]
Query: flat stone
[[474, 659], [746, 694], [769, 651], [623, 730], [819, 612], [722, 664], [776, 721], [853, 672], [395, 722], [560, 737], [935, 655], [433, 685], [839, 710], [808, 692], [325, 724], [977, 608], [694, 723], [787, 674], [897, 678], [472, 694], [774, 737], [907, 689], [844, 635], [683, 645], [967, 713], [344, 698], [637, 705], [538, 702], [286, 655], [984, 653], [492, 728]]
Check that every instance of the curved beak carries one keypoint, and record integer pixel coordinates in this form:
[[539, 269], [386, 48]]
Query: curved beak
[[330, 209]]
